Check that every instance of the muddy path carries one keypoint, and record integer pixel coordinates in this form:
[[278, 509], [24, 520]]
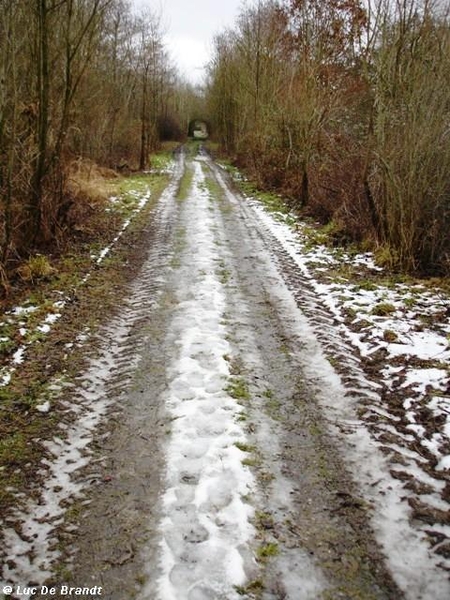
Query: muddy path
[[213, 467]]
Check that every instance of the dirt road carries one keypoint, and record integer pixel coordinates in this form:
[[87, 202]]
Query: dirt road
[[209, 459]]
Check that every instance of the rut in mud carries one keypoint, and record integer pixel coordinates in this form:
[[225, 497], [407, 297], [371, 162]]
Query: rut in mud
[[214, 470]]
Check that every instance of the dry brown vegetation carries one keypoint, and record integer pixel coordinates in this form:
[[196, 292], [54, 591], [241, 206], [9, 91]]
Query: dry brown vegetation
[[344, 106], [341, 105], [80, 80]]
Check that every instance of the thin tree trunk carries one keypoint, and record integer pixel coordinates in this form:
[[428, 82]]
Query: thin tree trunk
[[143, 158], [43, 81]]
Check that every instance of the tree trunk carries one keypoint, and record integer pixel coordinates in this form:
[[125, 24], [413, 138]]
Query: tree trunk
[[43, 84], [143, 152]]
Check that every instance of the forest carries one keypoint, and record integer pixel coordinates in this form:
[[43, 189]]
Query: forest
[[340, 106], [82, 82]]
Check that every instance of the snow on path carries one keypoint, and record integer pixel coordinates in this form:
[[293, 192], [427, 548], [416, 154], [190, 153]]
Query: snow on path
[[205, 529], [50, 318], [29, 534], [414, 567]]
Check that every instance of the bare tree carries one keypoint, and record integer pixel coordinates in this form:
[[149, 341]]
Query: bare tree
[[411, 164]]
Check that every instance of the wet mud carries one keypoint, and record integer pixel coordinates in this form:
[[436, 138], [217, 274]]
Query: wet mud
[[307, 533]]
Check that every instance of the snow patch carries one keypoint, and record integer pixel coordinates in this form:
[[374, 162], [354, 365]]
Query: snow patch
[[43, 408], [206, 526], [414, 566]]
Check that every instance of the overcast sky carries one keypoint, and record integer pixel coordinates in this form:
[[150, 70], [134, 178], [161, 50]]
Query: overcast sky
[[190, 26]]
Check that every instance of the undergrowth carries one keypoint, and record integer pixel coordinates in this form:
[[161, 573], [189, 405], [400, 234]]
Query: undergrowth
[[42, 282]]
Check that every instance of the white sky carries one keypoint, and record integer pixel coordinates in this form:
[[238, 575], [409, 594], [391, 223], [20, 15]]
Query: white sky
[[191, 26]]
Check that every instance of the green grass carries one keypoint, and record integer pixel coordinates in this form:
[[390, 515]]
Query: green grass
[[264, 521], [21, 426], [243, 447], [35, 268], [255, 586], [138, 183], [130, 189], [265, 478], [367, 286], [224, 275], [238, 389], [251, 461], [185, 184], [193, 147], [273, 407], [383, 309], [332, 360], [17, 451], [410, 302], [315, 429], [7, 346], [272, 202], [161, 160], [267, 551], [178, 247], [214, 189], [241, 417], [350, 312]]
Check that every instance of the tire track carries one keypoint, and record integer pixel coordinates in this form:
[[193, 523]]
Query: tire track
[[375, 447], [30, 534]]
